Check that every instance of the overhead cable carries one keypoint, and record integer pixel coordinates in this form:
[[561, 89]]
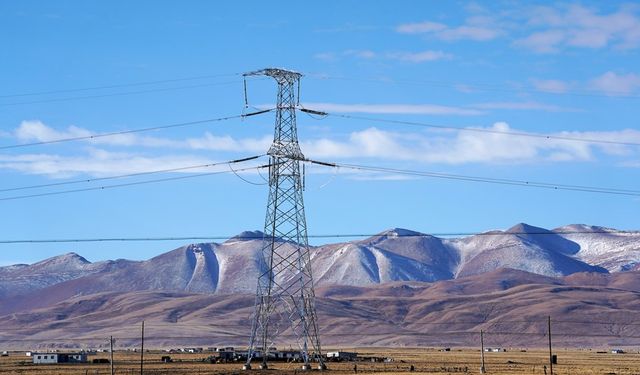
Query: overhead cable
[[610, 94], [90, 180], [343, 235], [127, 184], [152, 128], [475, 130], [113, 86], [501, 181]]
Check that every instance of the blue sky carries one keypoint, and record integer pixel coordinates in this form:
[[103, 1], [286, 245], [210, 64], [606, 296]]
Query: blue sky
[[562, 69]]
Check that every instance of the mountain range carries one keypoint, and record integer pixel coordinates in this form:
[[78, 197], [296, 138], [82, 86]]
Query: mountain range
[[580, 270]]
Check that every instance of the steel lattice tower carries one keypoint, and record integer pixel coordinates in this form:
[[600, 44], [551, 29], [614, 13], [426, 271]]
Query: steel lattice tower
[[285, 299]]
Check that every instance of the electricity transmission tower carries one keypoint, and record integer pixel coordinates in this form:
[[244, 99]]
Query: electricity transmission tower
[[285, 299]]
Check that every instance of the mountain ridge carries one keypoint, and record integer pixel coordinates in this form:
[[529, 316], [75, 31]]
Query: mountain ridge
[[395, 254]]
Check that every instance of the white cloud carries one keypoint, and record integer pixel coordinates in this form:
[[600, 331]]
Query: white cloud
[[423, 109], [550, 85], [613, 84], [541, 29], [476, 28], [326, 56], [609, 83], [577, 26], [228, 143], [471, 147], [543, 41], [429, 147], [469, 32], [97, 163], [420, 27], [525, 106], [363, 54], [36, 131], [418, 57]]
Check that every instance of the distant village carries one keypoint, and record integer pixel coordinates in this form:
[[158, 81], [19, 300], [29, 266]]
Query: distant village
[[214, 355]]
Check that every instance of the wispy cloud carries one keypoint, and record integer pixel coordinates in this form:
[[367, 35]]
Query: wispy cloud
[[228, 143], [577, 26], [614, 84], [430, 147], [541, 29], [475, 29], [326, 56], [365, 54], [36, 131], [360, 53], [608, 83], [96, 162], [346, 28], [418, 57], [551, 85], [471, 147], [129, 153], [525, 106]]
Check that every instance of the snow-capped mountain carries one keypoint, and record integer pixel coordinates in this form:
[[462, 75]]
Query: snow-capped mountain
[[394, 255], [605, 247], [22, 278], [395, 276], [522, 247]]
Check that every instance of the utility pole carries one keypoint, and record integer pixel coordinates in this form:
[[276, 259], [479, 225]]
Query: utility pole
[[482, 369], [142, 349], [111, 353], [550, 354], [285, 293]]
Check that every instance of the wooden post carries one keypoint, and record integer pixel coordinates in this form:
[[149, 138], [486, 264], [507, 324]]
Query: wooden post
[[142, 351], [111, 353], [482, 369], [550, 354]]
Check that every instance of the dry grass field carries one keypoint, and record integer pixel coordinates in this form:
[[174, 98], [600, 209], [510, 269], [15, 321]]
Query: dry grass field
[[425, 361]]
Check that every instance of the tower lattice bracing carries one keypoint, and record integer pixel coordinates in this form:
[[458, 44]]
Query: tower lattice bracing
[[285, 299]]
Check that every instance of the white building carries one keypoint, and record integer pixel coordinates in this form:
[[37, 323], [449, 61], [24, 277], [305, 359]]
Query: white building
[[44, 358]]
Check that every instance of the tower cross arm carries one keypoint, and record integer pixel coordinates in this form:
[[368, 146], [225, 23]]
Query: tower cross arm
[[275, 72]]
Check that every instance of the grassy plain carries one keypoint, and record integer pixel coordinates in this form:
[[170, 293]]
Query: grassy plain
[[424, 361]]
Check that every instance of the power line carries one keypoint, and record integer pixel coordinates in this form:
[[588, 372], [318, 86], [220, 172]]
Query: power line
[[103, 87], [105, 187], [319, 236], [117, 94], [478, 86], [90, 180], [544, 185], [477, 130], [153, 128]]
